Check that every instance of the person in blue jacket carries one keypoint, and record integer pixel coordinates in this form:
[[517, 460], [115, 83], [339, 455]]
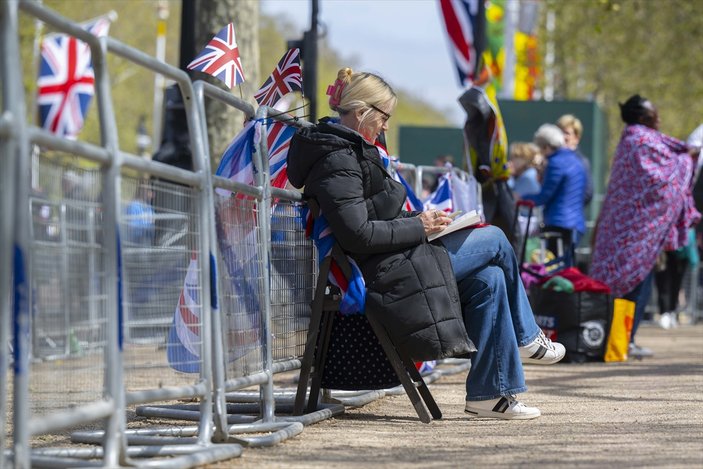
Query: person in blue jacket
[[563, 190]]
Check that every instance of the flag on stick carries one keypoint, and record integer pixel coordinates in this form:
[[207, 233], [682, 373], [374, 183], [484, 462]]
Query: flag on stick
[[220, 58], [66, 81], [285, 78]]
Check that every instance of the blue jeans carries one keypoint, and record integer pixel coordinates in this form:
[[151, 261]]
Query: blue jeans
[[497, 313], [640, 295]]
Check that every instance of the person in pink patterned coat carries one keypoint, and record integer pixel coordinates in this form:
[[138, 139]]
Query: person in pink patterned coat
[[648, 207]]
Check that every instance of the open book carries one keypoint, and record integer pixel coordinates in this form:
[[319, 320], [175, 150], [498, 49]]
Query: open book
[[463, 221]]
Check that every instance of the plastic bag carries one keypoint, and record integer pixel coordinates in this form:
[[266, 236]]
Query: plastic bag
[[620, 330]]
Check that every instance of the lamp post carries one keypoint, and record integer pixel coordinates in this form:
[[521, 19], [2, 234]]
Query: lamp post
[[159, 80]]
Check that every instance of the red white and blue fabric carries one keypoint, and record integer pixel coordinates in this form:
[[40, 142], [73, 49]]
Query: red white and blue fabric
[[278, 137], [648, 207], [237, 162], [285, 78], [462, 21], [184, 341], [442, 198], [353, 290], [220, 58], [66, 81], [412, 202]]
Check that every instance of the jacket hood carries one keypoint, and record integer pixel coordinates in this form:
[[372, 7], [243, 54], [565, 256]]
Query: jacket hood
[[311, 144]]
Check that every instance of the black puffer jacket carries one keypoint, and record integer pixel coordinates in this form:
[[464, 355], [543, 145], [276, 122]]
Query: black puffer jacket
[[410, 284]]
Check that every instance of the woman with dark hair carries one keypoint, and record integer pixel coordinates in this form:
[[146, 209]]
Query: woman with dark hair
[[648, 207], [473, 272]]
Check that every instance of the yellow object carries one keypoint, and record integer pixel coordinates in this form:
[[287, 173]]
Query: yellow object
[[620, 329]]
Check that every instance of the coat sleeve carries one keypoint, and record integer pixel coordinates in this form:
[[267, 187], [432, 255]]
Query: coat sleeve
[[337, 185], [553, 176]]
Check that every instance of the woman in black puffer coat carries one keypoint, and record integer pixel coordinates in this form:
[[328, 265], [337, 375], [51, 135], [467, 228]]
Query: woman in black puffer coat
[[427, 295]]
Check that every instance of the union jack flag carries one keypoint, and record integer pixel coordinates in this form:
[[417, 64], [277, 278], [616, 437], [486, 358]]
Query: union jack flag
[[442, 197], [220, 58], [184, 342], [353, 289], [465, 24], [278, 137], [66, 80], [237, 160], [412, 202], [285, 78]]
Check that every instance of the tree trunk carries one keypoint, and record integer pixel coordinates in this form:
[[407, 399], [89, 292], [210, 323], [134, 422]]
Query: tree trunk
[[223, 121]]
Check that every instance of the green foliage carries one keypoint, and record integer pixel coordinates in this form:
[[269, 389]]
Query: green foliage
[[608, 50]]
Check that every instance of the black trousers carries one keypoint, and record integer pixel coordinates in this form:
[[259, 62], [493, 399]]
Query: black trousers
[[668, 282]]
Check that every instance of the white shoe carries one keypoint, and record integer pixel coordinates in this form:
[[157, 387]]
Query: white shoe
[[504, 407], [542, 351], [635, 351], [665, 320]]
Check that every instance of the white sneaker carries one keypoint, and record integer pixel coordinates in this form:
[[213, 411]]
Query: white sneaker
[[504, 407], [542, 351], [666, 320], [635, 351]]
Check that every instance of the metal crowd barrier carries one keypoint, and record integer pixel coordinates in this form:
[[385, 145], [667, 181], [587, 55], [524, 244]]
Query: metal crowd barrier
[[71, 321], [140, 292]]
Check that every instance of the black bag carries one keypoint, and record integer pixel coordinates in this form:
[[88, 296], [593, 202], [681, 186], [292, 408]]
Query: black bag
[[355, 358], [580, 321]]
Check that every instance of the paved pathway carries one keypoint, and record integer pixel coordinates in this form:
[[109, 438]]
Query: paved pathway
[[637, 414]]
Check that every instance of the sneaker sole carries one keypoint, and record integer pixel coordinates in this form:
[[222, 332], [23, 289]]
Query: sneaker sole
[[499, 415], [541, 361]]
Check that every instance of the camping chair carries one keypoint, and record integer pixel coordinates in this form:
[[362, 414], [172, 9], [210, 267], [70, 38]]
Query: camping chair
[[325, 305]]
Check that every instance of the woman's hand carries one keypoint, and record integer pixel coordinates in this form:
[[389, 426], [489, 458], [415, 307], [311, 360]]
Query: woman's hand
[[434, 221]]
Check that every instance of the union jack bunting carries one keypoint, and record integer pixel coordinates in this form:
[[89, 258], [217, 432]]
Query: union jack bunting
[[285, 78], [465, 22], [65, 85], [220, 58]]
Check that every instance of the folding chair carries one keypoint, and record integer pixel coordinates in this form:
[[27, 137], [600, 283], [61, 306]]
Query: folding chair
[[325, 305]]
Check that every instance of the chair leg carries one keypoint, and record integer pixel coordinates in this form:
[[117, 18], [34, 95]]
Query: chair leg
[[401, 370], [421, 386], [320, 360], [309, 356]]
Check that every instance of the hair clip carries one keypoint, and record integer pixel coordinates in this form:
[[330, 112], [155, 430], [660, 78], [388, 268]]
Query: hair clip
[[334, 91]]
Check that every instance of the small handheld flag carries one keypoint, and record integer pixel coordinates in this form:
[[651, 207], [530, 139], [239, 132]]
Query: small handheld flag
[[220, 58], [285, 78]]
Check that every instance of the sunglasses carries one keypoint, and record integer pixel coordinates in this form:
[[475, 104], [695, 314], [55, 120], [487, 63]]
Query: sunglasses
[[385, 114]]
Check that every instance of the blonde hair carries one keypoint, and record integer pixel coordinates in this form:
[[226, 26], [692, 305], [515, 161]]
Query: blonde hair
[[527, 153], [363, 90], [524, 151], [570, 121]]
